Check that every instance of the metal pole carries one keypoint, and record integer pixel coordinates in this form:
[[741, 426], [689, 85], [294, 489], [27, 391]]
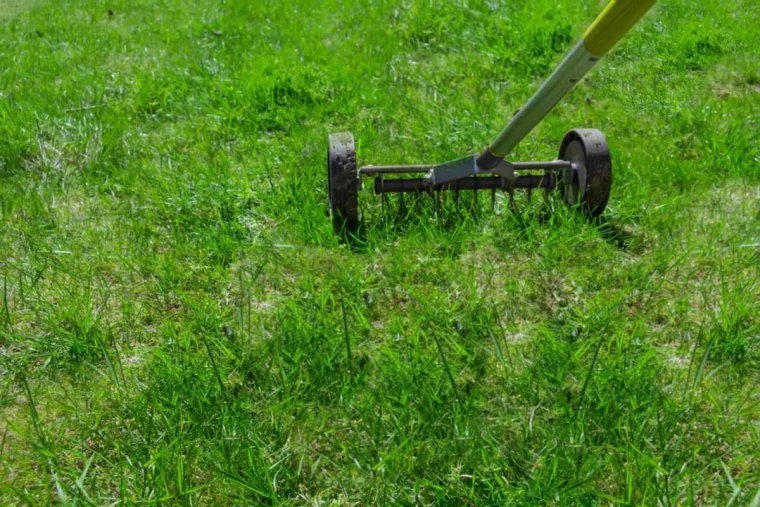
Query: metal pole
[[608, 28]]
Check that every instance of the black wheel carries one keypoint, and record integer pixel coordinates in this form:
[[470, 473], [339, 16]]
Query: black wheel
[[343, 181], [588, 184]]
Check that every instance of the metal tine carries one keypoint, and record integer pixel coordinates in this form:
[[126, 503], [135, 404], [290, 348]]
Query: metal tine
[[477, 202], [493, 196], [530, 193], [383, 202], [549, 175], [456, 199], [512, 206], [437, 203]]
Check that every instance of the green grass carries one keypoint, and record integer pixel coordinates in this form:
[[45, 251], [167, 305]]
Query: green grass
[[179, 323]]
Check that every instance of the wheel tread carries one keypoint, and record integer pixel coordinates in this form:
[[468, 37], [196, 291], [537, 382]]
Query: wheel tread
[[343, 181], [596, 193]]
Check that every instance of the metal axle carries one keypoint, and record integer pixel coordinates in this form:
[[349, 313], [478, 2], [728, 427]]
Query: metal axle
[[411, 169]]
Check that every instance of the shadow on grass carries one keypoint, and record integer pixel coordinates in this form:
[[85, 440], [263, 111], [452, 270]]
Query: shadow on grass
[[616, 235], [416, 214], [355, 239], [398, 221]]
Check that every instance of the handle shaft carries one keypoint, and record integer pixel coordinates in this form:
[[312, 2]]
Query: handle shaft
[[613, 23], [609, 27]]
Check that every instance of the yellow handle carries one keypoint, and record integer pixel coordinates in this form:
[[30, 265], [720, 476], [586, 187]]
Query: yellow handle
[[614, 22]]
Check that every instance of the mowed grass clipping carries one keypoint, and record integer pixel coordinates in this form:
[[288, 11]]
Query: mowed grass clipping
[[179, 323]]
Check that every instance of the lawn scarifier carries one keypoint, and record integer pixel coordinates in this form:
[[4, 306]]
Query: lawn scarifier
[[582, 173]]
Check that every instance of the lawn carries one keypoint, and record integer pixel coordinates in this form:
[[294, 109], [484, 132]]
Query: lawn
[[179, 322]]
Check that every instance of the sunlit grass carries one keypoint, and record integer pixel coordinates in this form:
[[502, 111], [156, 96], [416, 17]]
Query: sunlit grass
[[179, 322]]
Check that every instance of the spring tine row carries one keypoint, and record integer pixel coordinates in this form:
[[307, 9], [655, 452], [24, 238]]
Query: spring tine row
[[441, 204]]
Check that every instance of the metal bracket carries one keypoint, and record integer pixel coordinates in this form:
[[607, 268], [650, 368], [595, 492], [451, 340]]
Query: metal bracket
[[506, 170], [453, 170], [464, 168]]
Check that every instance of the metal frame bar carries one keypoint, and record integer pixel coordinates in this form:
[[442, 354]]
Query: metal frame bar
[[412, 169], [395, 169]]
